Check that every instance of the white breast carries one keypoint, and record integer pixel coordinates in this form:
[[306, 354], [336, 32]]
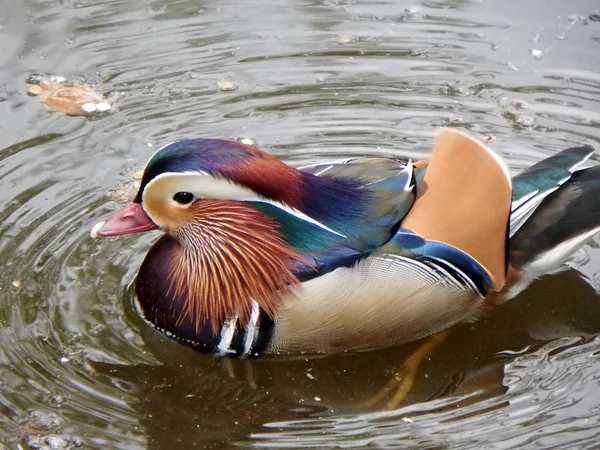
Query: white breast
[[382, 301]]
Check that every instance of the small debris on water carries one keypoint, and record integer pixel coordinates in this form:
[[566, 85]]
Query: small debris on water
[[226, 85], [57, 442], [128, 190], [16, 284], [40, 422], [537, 54], [489, 139], [74, 100], [52, 442], [412, 12], [525, 121], [56, 400]]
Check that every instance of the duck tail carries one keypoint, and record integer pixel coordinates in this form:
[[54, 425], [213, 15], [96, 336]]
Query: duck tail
[[555, 210]]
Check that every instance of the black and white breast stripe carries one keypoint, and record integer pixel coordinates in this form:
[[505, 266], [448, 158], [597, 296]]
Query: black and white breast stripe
[[243, 340], [234, 339]]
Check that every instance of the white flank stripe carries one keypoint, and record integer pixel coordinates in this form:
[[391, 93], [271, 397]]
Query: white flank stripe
[[322, 171], [227, 333], [251, 329]]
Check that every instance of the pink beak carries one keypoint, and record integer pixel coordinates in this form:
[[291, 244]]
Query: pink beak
[[131, 219]]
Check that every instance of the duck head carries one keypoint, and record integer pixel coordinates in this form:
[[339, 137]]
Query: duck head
[[220, 251]]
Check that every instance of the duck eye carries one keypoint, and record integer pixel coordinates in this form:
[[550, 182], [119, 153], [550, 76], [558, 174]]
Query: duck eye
[[183, 198]]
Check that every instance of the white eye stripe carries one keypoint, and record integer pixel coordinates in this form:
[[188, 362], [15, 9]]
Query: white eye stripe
[[204, 185], [201, 184]]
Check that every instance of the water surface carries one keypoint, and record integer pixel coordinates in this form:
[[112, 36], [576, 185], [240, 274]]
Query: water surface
[[310, 80]]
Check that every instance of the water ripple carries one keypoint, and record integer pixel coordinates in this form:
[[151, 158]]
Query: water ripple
[[550, 401], [310, 80]]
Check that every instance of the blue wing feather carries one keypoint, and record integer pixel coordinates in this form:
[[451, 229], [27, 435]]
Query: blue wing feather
[[407, 242], [363, 201]]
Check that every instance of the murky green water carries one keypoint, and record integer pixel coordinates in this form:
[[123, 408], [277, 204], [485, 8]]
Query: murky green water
[[312, 79]]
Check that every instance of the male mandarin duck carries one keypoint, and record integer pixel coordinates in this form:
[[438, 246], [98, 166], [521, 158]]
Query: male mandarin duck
[[259, 257]]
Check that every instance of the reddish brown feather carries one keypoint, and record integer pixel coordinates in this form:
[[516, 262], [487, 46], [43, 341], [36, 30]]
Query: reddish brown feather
[[284, 183], [232, 254]]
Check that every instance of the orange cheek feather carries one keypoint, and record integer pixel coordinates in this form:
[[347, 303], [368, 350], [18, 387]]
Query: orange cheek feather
[[231, 254]]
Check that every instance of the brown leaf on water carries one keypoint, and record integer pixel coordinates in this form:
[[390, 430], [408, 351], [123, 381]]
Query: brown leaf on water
[[74, 100]]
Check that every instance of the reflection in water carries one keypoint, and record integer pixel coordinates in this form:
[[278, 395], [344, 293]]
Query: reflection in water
[[312, 401], [313, 80]]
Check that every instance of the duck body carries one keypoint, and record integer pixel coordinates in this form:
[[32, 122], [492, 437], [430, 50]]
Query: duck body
[[259, 257]]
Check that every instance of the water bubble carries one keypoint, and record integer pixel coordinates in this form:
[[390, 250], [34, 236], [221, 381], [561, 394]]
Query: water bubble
[[412, 13], [57, 442], [56, 400], [525, 121], [537, 54], [57, 78], [346, 39], [96, 328], [247, 141]]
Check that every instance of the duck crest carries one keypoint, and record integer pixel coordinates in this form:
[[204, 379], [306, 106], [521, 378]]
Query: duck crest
[[233, 254]]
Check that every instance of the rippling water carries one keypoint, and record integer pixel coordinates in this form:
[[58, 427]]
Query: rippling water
[[309, 80]]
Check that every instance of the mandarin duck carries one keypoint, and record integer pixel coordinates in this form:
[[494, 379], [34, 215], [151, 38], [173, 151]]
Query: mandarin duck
[[258, 257]]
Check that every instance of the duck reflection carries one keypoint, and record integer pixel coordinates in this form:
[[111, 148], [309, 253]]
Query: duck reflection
[[197, 401]]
